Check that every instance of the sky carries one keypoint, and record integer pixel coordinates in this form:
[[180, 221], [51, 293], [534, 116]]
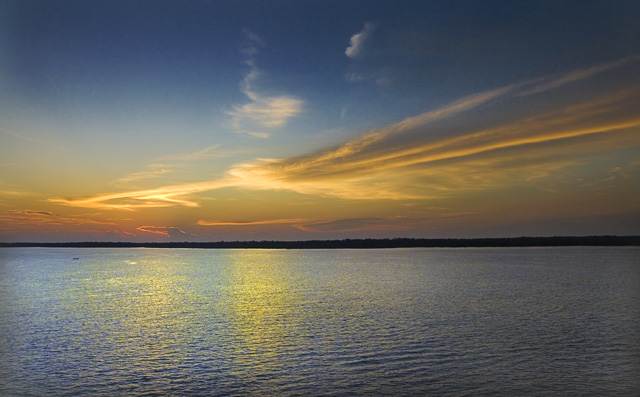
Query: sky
[[304, 120]]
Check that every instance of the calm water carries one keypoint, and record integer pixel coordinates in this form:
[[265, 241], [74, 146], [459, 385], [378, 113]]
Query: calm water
[[534, 321]]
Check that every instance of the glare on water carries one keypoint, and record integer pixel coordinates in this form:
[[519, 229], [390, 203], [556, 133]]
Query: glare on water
[[324, 322]]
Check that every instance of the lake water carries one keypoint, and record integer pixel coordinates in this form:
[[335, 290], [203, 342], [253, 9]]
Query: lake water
[[533, 321]]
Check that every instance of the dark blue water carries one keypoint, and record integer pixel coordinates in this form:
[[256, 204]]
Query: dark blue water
[[532, 321]]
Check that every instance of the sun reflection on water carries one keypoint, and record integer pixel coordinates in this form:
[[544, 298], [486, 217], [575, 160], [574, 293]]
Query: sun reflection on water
[[243, 314], [238, 322], [264, 313], [143, 322]]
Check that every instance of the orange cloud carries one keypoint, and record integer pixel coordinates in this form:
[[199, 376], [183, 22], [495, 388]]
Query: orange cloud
[[165, 231], [250, 223], [408, 161], [27, 218], [151, 198]]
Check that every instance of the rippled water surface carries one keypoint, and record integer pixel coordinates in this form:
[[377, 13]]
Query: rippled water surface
[[535, 321]]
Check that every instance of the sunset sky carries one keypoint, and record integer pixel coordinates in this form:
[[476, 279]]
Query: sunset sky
[[284, 120]]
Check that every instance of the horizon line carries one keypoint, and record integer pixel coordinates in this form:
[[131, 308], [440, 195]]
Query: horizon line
[[392, 242]]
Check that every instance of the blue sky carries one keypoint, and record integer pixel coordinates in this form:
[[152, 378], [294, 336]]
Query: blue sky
[[103, 100]]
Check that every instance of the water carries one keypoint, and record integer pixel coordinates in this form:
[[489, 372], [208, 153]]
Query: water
[[533, 321]]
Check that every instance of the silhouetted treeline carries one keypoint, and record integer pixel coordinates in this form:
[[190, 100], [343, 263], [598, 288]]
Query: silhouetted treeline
[[556, 241]]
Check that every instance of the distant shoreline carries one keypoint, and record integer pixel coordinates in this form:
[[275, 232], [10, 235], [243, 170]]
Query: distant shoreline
[[556, 241]]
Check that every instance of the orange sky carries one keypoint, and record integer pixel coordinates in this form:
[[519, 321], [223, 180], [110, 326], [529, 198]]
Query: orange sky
[[551, 153]]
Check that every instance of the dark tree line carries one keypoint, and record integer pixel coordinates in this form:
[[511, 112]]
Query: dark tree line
[[365, 243]]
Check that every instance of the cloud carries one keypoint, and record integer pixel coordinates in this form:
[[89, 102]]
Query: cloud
[[284, 174], [360, 70], [349, 171], [379, 166], [173, 162], [357, 224], [250, 46], [18, 219], [370, 224], [44, 213], [251, 223], [118, 234], [16, 193], [263, 113], [24, 137], [206, 153], [577, 75], [166, 196], [624, 173], [476, 142], [136, 176], [358, 40], [171, 232]]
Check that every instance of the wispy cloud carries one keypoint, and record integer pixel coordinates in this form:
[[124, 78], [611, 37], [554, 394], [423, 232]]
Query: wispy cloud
[[577, 75], [349, 170], [286, 174], [371, 224], [625, 173], [415, 160], [368, 224], [18, 219], [251, 223], [137, 176], [171, 232], [24, 137], [263, 113], [169, 164], [358, 40], [167, 196], [206, 153], [15, 192]]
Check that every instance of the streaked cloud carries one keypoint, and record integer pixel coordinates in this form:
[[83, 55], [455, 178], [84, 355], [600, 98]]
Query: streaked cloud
[[167, 196], [358, 40], [206, 153], [251, 223], [551, 83], [18, 219], [136, 176], [368, 224], [434, 154], [373, 118], [286, 174], [8, 191], [171, 232], [170, 164], [24, 137], [371, 224]]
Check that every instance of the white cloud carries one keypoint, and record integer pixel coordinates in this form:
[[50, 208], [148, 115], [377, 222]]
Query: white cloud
[[266, 112], [404, 161], [263, 112], [357, 41]]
